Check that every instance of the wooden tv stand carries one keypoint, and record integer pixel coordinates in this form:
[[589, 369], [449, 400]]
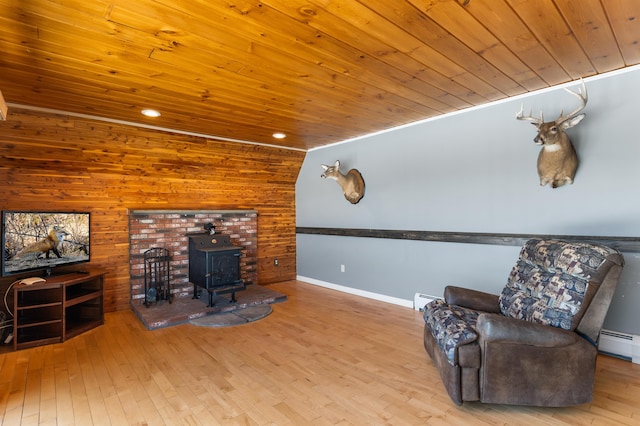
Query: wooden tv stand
[[58, 309]]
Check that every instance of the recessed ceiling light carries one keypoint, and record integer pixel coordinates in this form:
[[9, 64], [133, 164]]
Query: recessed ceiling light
[[150, 113], [279, 135]]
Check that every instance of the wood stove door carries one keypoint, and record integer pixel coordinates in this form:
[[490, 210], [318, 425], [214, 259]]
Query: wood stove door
[[224, 268]]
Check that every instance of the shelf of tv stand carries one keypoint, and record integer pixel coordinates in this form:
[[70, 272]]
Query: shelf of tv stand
[[58, 309]]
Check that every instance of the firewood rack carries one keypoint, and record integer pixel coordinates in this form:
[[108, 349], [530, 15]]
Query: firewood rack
[[156, 276]]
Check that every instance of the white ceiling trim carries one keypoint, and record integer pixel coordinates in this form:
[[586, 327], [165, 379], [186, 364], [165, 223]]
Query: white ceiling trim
[[487, 105]]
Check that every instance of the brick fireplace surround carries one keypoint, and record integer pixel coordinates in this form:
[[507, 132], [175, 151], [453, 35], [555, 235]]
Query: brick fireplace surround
[[169, 229]]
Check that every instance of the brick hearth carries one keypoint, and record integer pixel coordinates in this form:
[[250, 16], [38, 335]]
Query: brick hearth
[[168, 229], [165, 314]]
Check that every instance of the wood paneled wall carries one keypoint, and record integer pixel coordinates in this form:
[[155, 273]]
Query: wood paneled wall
[[56, 162]]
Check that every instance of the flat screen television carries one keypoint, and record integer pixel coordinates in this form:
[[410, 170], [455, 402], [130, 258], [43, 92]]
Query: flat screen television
[[42, 241]]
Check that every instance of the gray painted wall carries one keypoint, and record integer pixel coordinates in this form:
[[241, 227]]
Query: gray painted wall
[[476, 172]]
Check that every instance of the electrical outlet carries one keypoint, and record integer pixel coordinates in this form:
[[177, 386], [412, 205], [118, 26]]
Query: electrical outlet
[[276, 262], [342, 268]]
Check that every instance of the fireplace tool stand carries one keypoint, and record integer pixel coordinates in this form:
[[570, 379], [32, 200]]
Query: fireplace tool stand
[[156, 276]]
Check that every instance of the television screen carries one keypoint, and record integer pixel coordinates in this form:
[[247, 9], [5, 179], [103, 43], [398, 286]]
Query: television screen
[[43, 240]]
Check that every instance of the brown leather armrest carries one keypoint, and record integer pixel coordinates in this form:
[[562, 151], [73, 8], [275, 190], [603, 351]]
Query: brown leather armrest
[[472, 299], [498, 328]]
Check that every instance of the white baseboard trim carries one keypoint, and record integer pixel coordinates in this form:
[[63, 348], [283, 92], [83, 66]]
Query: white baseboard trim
[[355, 291]]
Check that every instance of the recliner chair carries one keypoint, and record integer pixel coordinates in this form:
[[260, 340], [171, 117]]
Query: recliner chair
[[535, 343]]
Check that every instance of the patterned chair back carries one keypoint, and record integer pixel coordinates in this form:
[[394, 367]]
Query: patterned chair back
[[554, 283]]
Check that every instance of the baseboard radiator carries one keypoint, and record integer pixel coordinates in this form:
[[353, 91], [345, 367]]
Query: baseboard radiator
[[420, 300], [621, 345]]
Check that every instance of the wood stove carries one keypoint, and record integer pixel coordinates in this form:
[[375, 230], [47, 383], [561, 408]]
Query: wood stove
[[214, 265]]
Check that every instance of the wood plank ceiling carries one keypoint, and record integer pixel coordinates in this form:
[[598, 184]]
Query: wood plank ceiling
[[321, 71]]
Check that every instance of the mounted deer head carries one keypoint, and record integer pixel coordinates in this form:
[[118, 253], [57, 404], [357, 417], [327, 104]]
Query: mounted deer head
[[352, 183], [557, 161]]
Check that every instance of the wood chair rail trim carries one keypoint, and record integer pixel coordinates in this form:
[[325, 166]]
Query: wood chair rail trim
[[624, 244]]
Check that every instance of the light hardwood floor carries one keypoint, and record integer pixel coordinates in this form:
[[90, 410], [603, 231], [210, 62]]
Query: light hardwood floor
[[322, 357]]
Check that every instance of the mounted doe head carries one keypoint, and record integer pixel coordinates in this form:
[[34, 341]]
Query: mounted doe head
[[352, 183], [557, 161]]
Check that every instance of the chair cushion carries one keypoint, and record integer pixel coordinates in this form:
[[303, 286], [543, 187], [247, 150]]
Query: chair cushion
[[549, 282], [452, 326]]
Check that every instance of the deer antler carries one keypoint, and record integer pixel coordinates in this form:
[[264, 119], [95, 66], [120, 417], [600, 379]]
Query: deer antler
[[583, 96], [534, 120]]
